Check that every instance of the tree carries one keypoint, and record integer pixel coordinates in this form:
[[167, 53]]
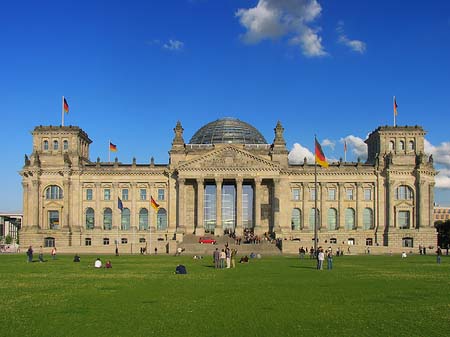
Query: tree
[[443, 229]]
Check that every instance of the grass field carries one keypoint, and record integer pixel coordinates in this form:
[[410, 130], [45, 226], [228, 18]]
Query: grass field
[[274, 296]]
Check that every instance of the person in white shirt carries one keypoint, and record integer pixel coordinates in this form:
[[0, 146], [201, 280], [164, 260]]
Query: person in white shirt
[[98, 263], [320, 258]]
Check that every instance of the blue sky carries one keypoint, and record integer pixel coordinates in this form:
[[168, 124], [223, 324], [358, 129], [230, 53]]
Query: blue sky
[[131, 69]]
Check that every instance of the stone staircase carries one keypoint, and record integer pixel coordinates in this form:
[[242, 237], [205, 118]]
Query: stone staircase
[[192, 247]]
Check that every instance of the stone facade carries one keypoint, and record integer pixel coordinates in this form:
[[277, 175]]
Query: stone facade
[[72, 202]]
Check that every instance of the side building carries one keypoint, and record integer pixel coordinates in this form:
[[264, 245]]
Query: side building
[[227, 179]]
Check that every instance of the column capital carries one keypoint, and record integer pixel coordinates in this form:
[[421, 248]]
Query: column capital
[[239, 180], [218, 180], [200, 181], [258, 180]]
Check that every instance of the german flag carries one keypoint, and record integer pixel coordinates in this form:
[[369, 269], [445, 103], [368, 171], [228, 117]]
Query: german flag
[[154, 204], [66, 106], [320, 157], [112, 147], [395, 107]]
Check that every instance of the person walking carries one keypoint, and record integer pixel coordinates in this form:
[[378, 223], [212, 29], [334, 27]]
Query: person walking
[[41, 254], [216, 256], [329, 259], [438, 255], [320, 259], [30, 254], [53, 253]]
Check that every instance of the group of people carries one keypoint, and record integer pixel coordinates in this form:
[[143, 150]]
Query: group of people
[[30, 253], [99, 264], [321, 257], [224, 258]]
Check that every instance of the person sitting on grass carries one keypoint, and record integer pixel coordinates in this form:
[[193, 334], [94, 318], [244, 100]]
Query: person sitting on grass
[[180, 269], [108, 264], [98, 263], [244, 259], [76, 258]]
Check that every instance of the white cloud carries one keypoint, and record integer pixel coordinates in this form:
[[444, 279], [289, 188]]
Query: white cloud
[[355, 45], [328, 143], [357, 146], [271, 19], [173, 45], [441, 157], [298, 153]]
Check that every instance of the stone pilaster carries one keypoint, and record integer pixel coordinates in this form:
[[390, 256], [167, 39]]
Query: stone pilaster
[[219, 229], [200, 228], [181, 205], [257, 202], [239, 229]]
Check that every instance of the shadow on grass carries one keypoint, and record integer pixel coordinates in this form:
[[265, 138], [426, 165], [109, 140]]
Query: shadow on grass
[[304, 267]]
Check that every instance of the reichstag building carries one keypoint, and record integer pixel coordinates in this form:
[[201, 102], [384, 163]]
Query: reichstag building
[[226, 179]]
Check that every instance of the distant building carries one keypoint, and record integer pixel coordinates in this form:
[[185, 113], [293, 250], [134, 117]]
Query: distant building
[[441, 213], [10, 223], [226, 179]]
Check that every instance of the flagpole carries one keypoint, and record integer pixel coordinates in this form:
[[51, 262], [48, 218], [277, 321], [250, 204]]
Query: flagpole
[[150, 231], [345, 151], [315, 199], [395, 115], [109, 151], [62, 112]]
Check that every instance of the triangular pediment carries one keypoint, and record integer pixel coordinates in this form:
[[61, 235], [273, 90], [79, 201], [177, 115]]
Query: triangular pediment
[[229, 158]]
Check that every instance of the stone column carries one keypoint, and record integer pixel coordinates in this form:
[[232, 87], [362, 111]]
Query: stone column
[[257, 201], [200, 228], [389, 207], [323, 214], [181, 205], [134, 217], [359, 209], [65, 217], [304, 210], [341, 215], [117, 215], [430, 204], [98, 217], [276, 206], [36, 205], [239, 230], [218, 230]]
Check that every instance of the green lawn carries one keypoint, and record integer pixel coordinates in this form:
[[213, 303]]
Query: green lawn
[[274, 296]]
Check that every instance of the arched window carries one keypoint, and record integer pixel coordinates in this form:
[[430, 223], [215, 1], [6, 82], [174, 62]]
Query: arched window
[[349, 218], [143, 219], [295, 219], [53, 192], [411, 145], [45, 145], [90, 218], [312, 218], [332, 219], [125, 219], [65, 144], [367, 218], [55, 145], [404, 193], [161, 219], [107, 219], [391, 145], [401, 145]]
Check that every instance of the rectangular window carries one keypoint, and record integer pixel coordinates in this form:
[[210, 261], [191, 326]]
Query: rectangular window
[[403, 219], [53, 219], [89, 194], [125, 194], [107, 194], [312, 193], [295, 194], [349, 193], [88, 242], [161, 194], [124, 241], [367, 194], [143, 194], [331, 194], [105, 241], [141, 240]]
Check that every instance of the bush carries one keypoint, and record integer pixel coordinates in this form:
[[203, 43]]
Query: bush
[[8, 239]]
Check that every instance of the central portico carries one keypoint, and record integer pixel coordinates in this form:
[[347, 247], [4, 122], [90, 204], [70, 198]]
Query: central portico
[[226, 180]]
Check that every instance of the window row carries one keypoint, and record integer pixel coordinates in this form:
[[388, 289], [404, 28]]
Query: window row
[[55, 145], [106, 241], [332, 219], [332, 194], [125, 219], [125, 192], [401, 145], [403, 192]]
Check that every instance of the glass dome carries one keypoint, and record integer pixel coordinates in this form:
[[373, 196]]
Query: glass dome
[[227, 130]]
